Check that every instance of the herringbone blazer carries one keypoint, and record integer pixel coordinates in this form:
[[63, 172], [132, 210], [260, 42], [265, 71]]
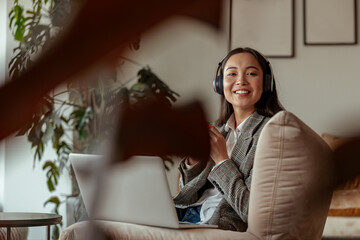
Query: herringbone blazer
[[232, 178]]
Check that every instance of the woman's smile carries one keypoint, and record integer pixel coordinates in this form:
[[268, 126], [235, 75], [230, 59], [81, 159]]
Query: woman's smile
[[242, 92]]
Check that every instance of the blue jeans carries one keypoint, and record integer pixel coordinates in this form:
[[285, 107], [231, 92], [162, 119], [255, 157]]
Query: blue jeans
[[190, 214]]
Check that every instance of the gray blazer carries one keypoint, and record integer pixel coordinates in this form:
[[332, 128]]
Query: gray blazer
[[232, 178]]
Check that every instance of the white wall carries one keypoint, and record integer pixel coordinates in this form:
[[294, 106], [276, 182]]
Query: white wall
[[321, 83]]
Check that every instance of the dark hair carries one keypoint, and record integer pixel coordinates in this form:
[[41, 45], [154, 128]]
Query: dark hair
[[269, 103]]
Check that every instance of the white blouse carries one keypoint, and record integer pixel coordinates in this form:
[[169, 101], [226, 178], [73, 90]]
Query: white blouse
[[211, 197]]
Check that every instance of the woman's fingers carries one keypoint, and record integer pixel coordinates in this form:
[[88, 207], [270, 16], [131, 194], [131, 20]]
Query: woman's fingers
[[218, 150], [214, 130], [215, 135]]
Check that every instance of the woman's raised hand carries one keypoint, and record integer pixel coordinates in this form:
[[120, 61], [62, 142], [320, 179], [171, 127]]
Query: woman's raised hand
[[218, 150]]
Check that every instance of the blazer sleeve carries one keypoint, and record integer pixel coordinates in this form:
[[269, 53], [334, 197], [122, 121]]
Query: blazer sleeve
[[194, 181], [188, 174], [232, 184]]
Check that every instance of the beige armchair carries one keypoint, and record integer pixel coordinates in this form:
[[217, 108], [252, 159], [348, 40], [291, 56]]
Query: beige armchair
[[293, 178]]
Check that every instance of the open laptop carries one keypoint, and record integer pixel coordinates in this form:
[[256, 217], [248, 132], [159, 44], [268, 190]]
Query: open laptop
[[135, 191]]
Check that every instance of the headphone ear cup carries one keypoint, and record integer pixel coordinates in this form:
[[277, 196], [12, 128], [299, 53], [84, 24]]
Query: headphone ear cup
[[218, 85], [267, 83]]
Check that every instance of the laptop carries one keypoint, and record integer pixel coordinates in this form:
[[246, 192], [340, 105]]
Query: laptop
[[134, 191]]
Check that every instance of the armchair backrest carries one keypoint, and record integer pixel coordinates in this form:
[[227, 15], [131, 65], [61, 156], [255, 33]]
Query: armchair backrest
[[292, 182]]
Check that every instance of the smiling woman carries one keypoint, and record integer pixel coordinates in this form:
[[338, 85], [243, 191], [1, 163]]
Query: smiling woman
[[256, 64], [246, 84]]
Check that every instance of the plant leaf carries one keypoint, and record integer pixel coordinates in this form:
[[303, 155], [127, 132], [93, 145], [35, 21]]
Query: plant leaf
[[52, 174], [54, 200]]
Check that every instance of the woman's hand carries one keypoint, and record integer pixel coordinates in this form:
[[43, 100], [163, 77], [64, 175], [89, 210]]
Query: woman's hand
[[192, 161], [218, 151]]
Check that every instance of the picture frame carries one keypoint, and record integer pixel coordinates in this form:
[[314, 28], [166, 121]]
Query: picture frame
[[267, 26], [330, 22]]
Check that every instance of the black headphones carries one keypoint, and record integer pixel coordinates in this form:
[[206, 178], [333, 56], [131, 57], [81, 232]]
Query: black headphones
[[268, 81]]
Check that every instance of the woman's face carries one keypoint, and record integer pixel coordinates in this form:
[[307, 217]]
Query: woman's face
[[243, 81]]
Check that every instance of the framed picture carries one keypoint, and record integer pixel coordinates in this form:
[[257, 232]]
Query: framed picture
[[330, 22], [265, 25]]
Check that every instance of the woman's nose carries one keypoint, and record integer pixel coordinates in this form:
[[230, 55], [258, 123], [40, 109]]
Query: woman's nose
[[240, 80]]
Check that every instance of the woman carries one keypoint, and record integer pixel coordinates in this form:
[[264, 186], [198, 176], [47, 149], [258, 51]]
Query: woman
[[217, 191]]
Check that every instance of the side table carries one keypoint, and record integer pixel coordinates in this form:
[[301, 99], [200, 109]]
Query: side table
[[19, 219]]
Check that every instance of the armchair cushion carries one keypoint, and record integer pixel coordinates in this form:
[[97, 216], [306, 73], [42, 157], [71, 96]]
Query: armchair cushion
[[292, 181]]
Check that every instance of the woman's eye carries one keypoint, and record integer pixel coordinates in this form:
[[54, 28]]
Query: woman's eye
[[251, 74], [231, 74]]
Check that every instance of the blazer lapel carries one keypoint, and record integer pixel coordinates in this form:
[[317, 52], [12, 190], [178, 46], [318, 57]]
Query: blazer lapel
[[251, 125], [245, 137]]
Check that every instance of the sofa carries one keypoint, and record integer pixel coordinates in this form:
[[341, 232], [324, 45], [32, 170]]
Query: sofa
[[344, 214], [292, 184]]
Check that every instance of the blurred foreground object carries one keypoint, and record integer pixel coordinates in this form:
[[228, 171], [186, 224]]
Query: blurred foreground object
[[156, 129], [97, 34]]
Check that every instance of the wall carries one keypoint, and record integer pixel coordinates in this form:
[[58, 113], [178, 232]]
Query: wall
[[321, 83]]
